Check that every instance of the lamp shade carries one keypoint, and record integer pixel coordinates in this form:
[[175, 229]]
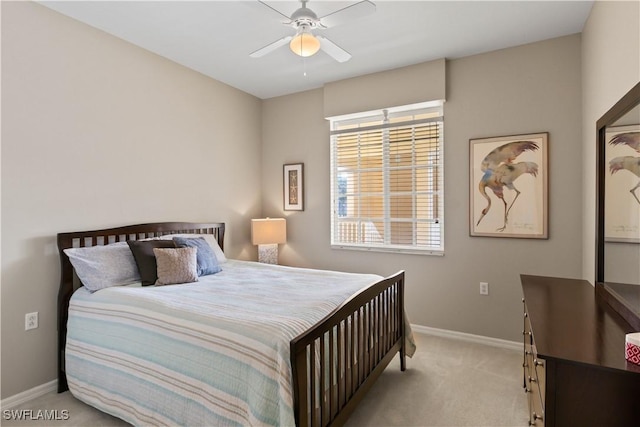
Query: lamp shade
[[268, 231], [305, 44]]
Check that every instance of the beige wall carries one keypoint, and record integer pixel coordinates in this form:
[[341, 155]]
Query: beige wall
[[97, 132], [532, 88], [610, 67]]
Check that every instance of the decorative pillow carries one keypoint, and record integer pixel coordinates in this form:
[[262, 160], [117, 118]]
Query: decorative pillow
[[100, 267], [210, 238], [178, 265], [145, 259], [207, 261]]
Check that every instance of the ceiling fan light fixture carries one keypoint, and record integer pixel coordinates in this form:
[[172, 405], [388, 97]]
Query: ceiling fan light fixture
[[305, 44]]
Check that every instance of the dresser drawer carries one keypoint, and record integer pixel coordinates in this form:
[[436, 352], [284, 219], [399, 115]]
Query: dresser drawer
[[535, 387], [527, 362], [539, 369], [534, 375]]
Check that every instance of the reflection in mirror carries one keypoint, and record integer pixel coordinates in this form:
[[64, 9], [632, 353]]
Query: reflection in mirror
[[618, 204], [622, 199]]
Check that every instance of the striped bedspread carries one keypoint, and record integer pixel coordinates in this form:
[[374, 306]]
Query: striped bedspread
[[214, 352]]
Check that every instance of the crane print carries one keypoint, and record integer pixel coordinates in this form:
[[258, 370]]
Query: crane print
[[628, 163], [630, 139], [500, 171]]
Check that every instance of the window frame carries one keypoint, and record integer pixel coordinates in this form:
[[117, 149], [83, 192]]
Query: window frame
[[437, 196]]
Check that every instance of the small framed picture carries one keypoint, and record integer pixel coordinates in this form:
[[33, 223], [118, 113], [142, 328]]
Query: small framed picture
[[508, 186], [294, 187]]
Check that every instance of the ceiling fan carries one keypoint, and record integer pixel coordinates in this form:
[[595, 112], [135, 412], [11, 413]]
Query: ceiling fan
[[304, 43]]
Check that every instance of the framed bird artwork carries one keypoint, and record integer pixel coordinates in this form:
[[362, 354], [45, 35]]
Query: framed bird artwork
[[622, 184], [508, 186]]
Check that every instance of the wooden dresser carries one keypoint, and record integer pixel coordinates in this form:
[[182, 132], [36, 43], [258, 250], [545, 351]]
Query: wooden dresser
[[575, 372]]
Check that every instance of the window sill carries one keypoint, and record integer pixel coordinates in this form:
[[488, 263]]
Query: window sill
[[429, 252]]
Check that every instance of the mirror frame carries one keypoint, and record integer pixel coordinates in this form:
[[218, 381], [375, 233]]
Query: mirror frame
[[624, 105]]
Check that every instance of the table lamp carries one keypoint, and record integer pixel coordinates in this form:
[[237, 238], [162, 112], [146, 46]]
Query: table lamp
[[267, 233]]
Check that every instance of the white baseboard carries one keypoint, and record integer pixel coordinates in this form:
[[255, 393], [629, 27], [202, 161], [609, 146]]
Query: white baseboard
[[28, 395], [478, 339]]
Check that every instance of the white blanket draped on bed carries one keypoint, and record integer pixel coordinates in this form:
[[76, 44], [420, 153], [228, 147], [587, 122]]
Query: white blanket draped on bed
[[214, 352]]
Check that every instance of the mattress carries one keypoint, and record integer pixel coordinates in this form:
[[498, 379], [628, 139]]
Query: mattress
[[212, 352]]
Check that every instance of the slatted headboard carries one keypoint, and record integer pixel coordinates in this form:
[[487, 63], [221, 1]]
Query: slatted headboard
[[102, 237]]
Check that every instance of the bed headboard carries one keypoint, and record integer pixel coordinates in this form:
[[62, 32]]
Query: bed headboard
[[103, 237]]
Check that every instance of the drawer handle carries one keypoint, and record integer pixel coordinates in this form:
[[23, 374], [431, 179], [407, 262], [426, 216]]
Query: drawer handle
[[537, 362], [537, 417], [533, 380]]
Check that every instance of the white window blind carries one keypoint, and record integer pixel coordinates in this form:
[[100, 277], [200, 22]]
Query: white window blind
[[387, 180]]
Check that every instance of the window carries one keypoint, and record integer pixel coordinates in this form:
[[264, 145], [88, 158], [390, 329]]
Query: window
[[386, 180]]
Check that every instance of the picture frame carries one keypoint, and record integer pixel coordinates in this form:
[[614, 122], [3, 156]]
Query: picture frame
[[508, 186], [293, 183], [622, 221]]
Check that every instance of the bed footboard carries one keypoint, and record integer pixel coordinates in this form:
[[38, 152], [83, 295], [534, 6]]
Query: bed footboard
[[337, 361]]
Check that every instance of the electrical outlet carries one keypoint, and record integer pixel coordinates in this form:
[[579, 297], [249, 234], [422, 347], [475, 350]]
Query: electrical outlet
[[31, 321], [484, 288]]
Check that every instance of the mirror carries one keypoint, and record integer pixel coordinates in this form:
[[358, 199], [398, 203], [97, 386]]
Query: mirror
[[618, 192]]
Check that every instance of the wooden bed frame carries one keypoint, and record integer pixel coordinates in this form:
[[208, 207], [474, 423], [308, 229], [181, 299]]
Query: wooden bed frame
[[333, 364]]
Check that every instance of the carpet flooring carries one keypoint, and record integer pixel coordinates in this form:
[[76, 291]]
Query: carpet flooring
[[448, 382]]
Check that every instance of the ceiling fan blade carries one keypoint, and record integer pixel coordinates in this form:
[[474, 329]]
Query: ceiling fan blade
[[333, 50], [270, 47], [276, 11], [348, 14]]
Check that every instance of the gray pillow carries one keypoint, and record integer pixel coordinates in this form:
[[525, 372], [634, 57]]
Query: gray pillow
[[177, 265], [207, 261], [100, 267]]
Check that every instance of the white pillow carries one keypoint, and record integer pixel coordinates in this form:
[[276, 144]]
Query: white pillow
[[210, 238], [100, 267]]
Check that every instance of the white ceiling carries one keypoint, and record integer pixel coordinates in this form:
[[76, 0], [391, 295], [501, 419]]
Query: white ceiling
[[216, 37]]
